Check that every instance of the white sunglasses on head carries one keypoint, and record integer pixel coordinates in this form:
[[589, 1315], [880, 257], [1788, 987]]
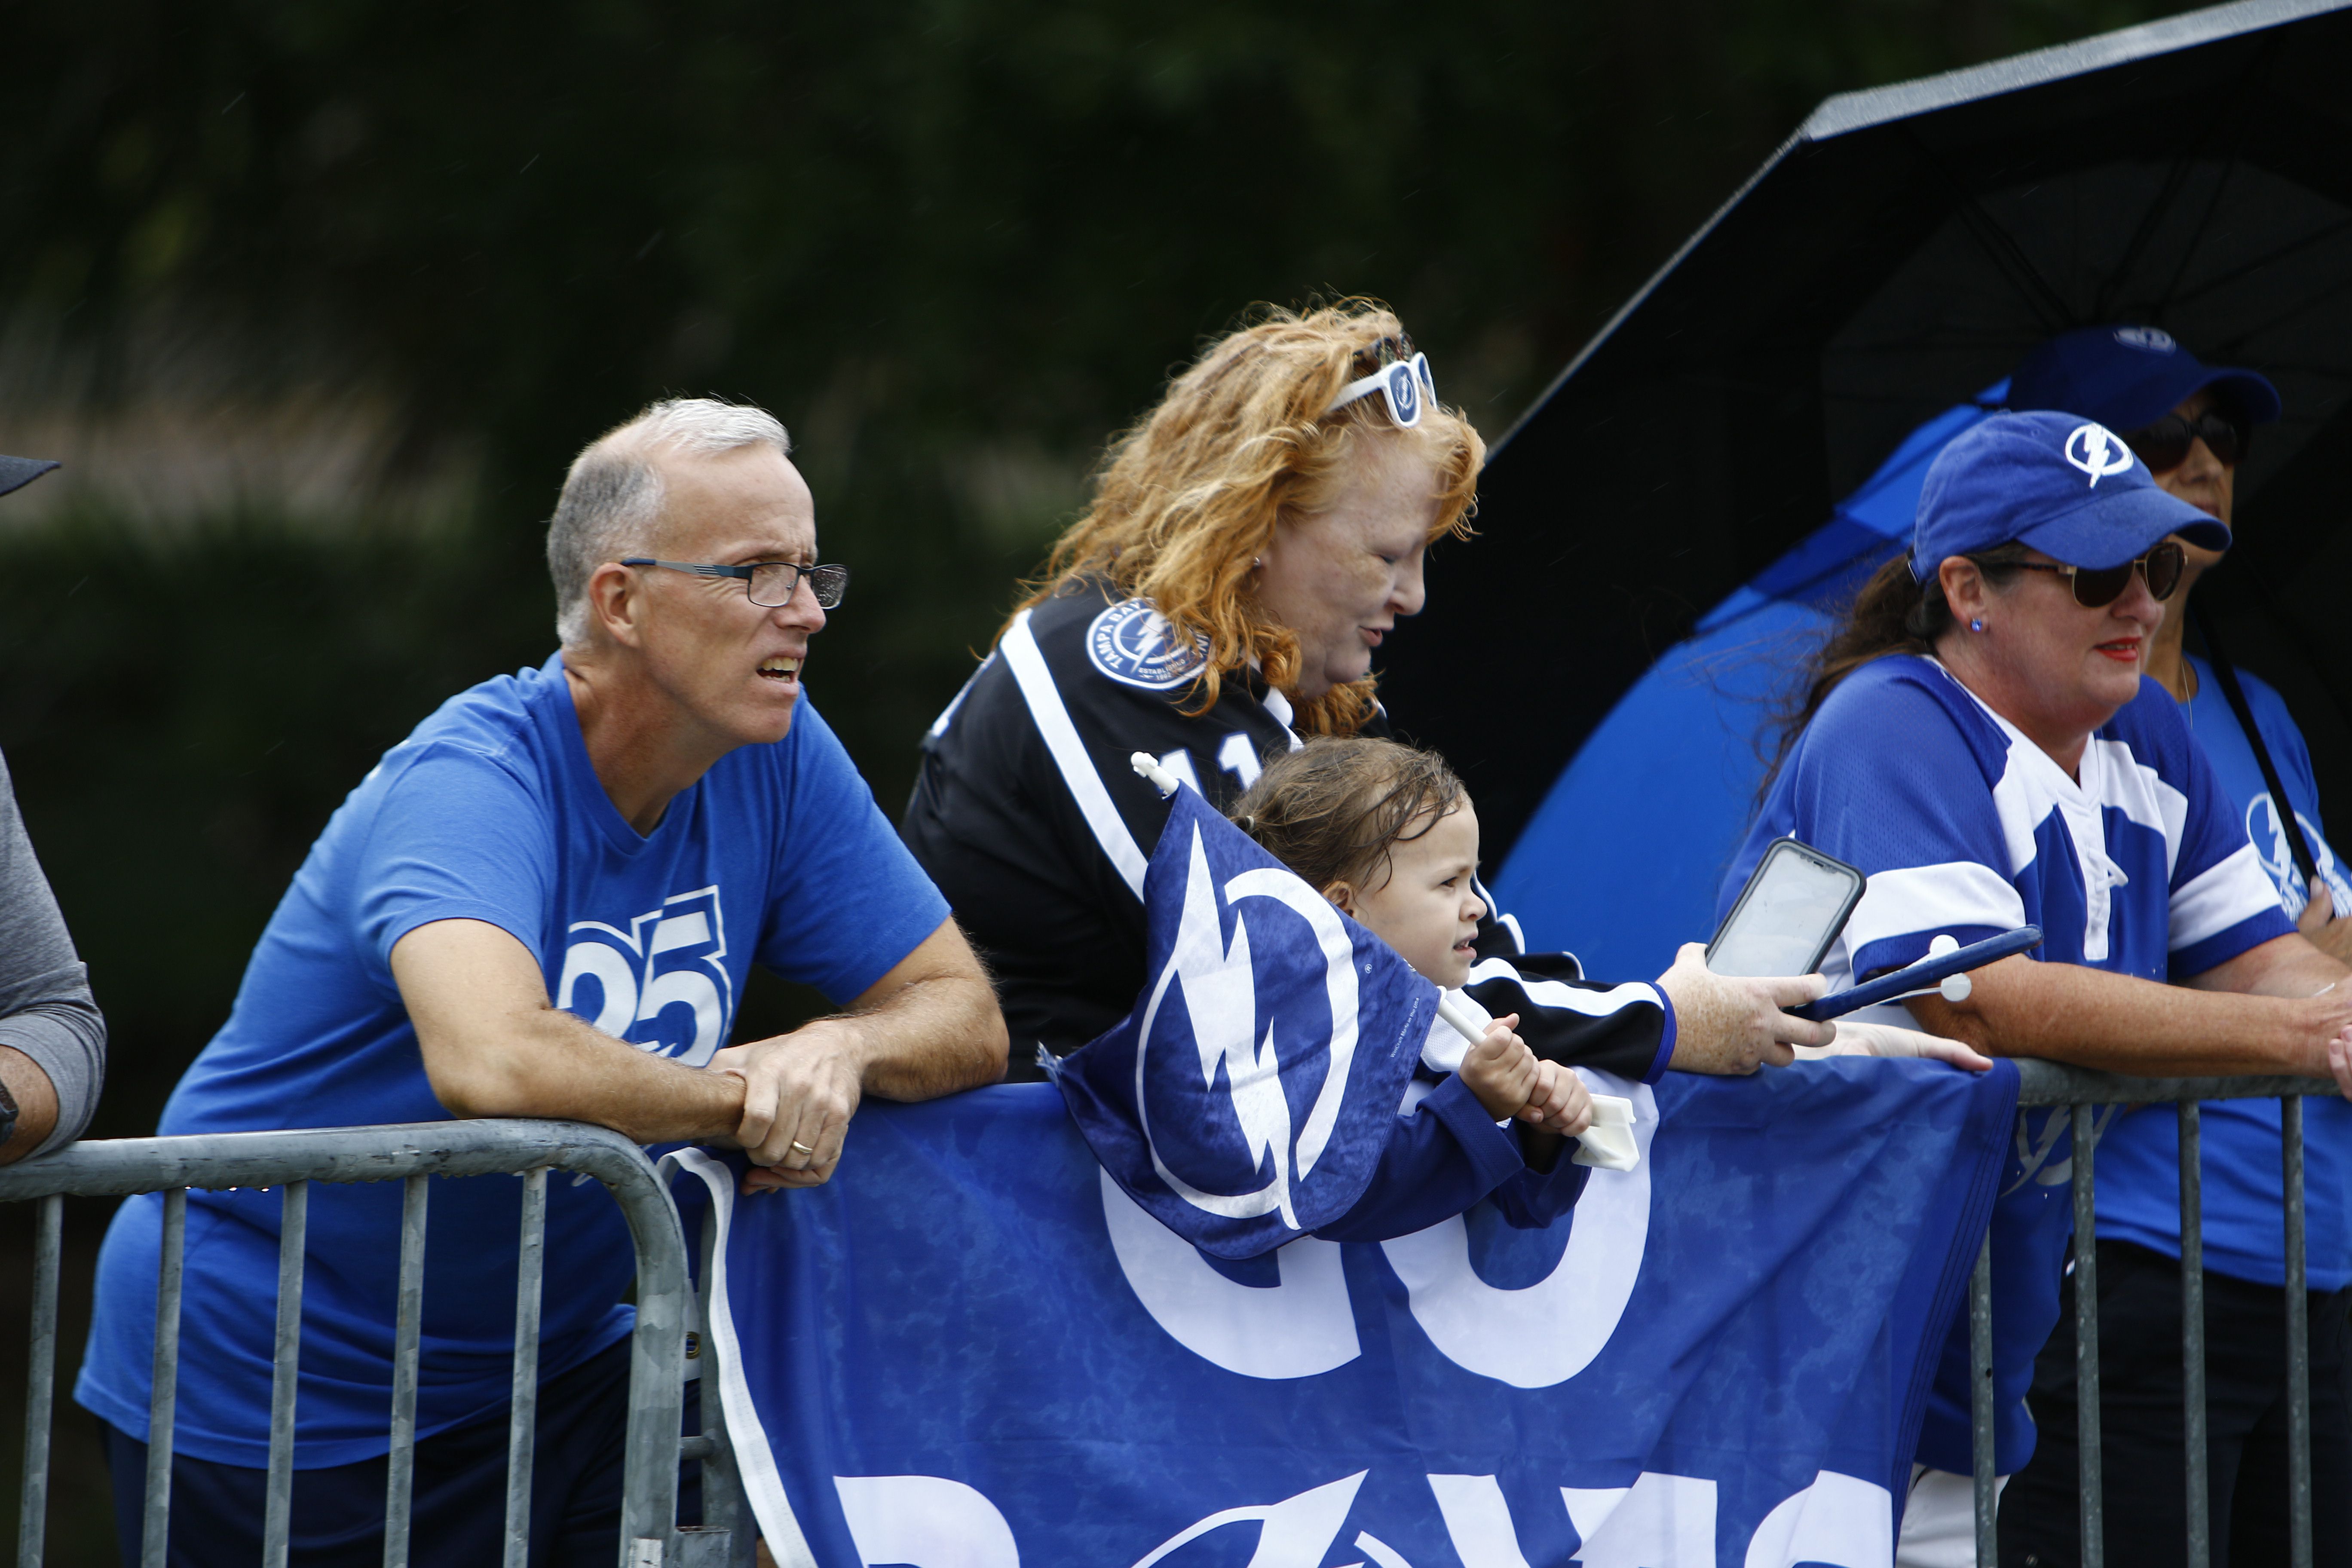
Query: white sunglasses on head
[[1405, 386]]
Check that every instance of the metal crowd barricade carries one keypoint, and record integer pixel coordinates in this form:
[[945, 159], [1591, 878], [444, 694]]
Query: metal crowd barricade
[[410, 1154], [2082, 1091]]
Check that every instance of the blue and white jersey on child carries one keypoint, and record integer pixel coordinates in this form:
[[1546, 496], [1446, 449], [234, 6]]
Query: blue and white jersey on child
[[1963, 826], [489, 811], [2139, 1160]]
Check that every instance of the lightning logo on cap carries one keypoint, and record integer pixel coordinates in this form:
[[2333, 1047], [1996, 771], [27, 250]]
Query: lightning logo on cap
[[2101, 453]]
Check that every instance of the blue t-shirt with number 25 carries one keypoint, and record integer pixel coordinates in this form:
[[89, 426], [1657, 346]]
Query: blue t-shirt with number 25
[[489, 811]]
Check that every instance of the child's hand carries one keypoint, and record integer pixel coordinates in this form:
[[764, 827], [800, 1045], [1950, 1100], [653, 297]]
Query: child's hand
[[1560, 1103], [1500, 1069]]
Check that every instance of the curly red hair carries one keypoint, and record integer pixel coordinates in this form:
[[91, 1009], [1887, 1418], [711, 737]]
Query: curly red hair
[[1185, 499]]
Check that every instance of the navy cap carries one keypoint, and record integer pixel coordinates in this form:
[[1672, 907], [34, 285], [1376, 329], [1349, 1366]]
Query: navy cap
[[2128, 377], [16, 473], [2065, 485]]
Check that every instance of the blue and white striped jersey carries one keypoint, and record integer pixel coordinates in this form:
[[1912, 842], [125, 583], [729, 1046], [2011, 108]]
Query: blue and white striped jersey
[[1965, 827], [2139, 865]]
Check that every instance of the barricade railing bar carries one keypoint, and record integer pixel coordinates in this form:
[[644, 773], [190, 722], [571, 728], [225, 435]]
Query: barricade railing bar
[[409, 1154], [650, 1536], [2082, 1091]]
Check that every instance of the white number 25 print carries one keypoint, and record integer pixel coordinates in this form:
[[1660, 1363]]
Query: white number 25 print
[[661, 984]]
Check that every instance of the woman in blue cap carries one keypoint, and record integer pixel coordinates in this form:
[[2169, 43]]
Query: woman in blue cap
[[1978, 738], [2192, 425]]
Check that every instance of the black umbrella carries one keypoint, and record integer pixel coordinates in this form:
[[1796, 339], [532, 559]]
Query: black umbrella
[[1895, 257]]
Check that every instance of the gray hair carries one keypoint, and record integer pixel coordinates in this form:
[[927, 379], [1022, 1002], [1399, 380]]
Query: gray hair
[[613, 496]]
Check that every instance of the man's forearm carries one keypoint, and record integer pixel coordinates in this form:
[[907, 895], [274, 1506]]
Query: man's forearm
[[552, 1064], [2284, 966], [37, 1103], [2089, 1017], [933, 1037]]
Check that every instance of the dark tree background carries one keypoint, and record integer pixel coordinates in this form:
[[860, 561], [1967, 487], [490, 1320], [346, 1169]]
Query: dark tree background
[[953, 243]]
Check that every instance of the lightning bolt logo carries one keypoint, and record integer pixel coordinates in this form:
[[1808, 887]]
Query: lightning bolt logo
[[2102, 453], [1218, 986]]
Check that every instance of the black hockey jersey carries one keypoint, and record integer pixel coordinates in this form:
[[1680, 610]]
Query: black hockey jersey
[[1029, 815], [1626, 1029]]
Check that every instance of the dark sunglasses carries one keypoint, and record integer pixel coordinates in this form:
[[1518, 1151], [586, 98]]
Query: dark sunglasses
[[2164, 444], [2094, 589]]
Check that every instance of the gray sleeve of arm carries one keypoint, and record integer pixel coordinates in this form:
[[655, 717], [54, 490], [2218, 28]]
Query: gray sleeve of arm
[[46, 1008]]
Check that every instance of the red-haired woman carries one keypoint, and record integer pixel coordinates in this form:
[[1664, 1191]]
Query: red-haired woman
[[1250, 544]]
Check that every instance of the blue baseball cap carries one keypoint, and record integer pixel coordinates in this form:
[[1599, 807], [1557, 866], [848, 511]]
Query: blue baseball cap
[[2126, 377], [2065, 485]]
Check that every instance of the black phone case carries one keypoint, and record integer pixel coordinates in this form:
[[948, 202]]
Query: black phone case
[[1763, 863]]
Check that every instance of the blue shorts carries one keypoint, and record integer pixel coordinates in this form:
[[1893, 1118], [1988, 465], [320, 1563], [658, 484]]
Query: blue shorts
[[459, 1504]]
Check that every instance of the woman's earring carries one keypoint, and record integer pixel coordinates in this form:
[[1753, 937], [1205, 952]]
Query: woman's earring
[[1977, 625]]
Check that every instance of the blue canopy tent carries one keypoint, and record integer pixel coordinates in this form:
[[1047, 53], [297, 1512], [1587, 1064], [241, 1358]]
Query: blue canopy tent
[[1675, 768], [1601, 663]]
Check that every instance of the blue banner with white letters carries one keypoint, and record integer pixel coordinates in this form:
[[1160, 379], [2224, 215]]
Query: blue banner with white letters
[[1248, 1096], [972, 1349]]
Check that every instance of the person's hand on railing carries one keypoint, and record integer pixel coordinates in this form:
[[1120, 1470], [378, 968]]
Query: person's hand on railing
[[1857, 1039], [799, 1092], [930, 1026], [1727, 1025], [2308, 1005]]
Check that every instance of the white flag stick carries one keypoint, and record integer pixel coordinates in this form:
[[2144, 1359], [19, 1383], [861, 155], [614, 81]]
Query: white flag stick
[[1163, 781], [1607, 1144], [1454, 1013]]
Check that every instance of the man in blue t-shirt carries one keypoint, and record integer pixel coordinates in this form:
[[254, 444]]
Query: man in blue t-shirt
[[546, 901], [2191, 424]]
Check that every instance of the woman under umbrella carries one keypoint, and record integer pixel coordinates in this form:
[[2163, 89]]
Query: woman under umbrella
[[1978, 738]]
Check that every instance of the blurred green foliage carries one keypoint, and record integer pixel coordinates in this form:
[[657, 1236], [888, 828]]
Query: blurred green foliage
[[954, 243]]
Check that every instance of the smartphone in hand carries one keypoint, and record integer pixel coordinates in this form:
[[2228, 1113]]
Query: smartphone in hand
[[1793, 908]]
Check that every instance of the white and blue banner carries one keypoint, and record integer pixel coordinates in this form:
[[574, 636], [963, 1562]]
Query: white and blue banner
[[972, 1349], [1249, 1095]]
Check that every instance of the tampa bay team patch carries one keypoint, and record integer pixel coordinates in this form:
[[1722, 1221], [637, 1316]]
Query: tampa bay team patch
[[1134, 644]]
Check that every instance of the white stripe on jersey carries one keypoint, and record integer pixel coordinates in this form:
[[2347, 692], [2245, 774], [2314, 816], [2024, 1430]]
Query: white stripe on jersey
[[1027, 662], [2233, 890], [1554, 994], [1278, 705], [1445, 1048], [2148, 800], [1509, 923], [947, 714], [2033, 786], [1915, 898]]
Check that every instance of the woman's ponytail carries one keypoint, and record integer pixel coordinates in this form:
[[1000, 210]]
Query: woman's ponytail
[[1894, 613]]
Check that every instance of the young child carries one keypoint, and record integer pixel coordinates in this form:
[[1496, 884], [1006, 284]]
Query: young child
[[1388, 833]]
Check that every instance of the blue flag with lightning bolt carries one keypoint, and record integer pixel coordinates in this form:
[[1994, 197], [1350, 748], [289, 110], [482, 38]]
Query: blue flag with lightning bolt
[[1247, 1098]]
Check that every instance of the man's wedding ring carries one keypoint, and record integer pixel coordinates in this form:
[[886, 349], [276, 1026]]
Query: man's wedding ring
[[799, 1148]]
